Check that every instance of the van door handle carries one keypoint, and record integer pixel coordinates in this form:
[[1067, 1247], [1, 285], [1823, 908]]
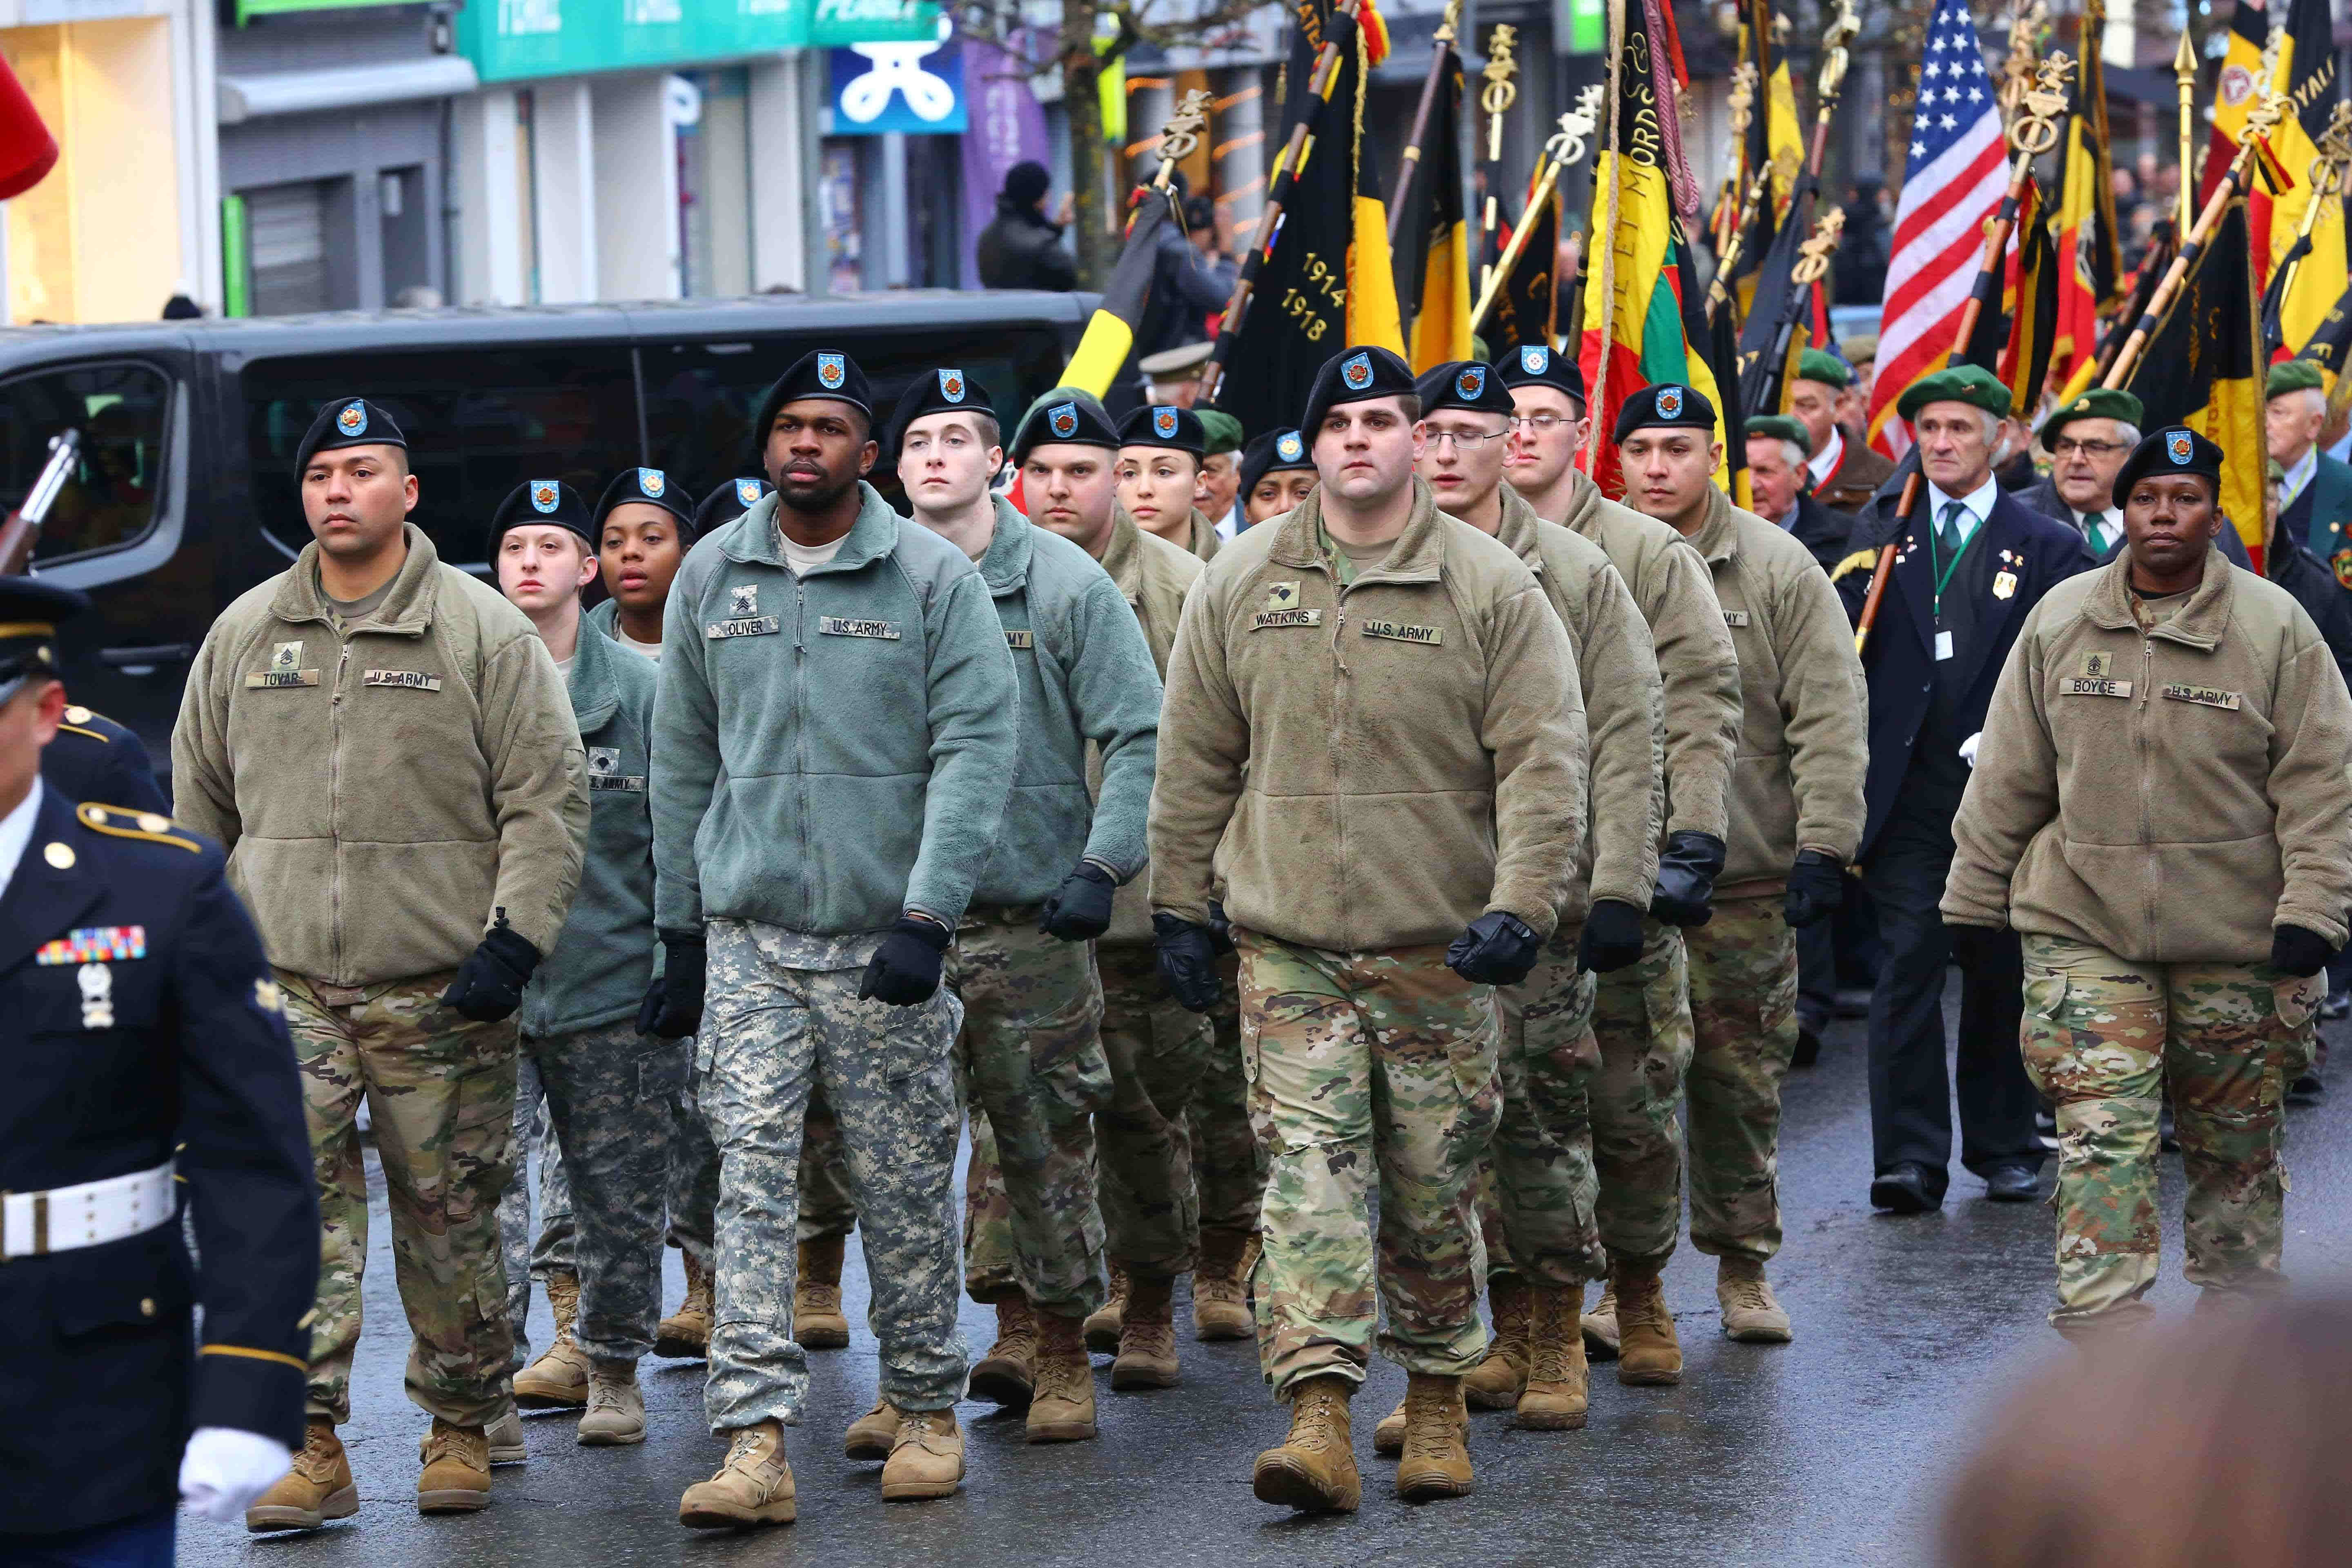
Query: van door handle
[[143, 660]]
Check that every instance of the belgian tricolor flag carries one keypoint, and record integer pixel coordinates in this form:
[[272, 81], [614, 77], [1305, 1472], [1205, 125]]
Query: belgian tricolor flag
[[1433, 250], [1110, 331]]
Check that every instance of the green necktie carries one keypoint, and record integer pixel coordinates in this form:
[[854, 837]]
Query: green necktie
[[1948, 531], [2096, 524]]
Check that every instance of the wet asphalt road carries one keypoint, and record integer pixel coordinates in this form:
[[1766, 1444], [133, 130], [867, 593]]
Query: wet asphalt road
[[1832, 1450]]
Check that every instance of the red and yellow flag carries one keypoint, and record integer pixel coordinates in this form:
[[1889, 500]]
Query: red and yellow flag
[[2306, 76]]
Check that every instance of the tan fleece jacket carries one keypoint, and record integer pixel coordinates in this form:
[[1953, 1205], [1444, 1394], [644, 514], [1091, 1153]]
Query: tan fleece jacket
[[1383, 762], [1695, 659], [1804, 737], [1624, 713], [2168, 794], [1154, 575], [384, 791]]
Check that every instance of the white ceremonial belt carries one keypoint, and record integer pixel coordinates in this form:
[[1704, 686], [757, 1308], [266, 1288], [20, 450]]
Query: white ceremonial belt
[[89, 1214]]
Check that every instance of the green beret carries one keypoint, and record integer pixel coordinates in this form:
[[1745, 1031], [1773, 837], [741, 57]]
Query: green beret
[[1969, 384], [2099, 403], [1817, 364], [2294, 375], [1224, 431], [1777, 427]]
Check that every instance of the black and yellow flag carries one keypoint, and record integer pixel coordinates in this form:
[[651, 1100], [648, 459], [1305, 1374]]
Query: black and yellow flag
[[1110, 331], [1778, 327], [2204, 368], [1525, 310], [2306, 76], [1433, 250]]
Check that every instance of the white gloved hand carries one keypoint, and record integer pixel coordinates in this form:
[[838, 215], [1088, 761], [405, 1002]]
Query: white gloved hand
[[1969, 748], [225, 1468]]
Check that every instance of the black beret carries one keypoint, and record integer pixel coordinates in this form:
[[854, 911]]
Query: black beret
[[728, 502], [1465, 384], [1669, 404], [1165, 424], [820, 373], [29, 613], [651, 486], [2174, 449], [1274, 452], [1533, 364], [947, 390], [1064, 417], [1354, 375], [547, 501], [347, 422]]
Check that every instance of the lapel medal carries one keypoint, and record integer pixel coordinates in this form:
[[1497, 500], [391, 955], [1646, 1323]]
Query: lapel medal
[[2004, 583]]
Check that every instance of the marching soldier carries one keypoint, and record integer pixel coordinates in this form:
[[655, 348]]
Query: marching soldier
[[125, 962], [2177, 950], [1160, 456], [1796, 813], [834, 739], [1374, 730], [372, 732], [1642, 1008], [1277, 473], [1845, 472]]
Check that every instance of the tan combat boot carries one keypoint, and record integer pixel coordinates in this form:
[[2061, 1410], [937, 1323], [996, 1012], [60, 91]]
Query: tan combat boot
[[317, 1488], [1103, 1322], [871, 1435], [1554, 1398], [1062, 1403], [457, 1473], [558, 1380], [1648, 1353], [616, 1406], [1009, 1371], [1219, 1309], [1147, 1336], [686, 1333], [504, 1434], [926, 1458], [1436, 1461], [753, 1487], [1314, 1471], [817, 1321], [1600, 1325], [1495, 1383], [1751, 1314]]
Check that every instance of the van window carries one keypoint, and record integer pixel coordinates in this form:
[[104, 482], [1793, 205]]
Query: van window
[[110, 499], [478, 423], [701, 397]]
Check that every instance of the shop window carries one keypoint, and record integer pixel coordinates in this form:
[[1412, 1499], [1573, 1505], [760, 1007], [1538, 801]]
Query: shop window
[[110, 499], [288, 227]]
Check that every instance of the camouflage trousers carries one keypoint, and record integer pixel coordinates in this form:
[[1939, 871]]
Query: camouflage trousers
[[1536, 1188], [770, 1032], [440, 1089], [553, 1248], [1158, 1052], [1229, 1163], [693, 1168], [603, 1088], [1364, 1065], [2107, 1039], [1642, 1017], [1031, 1065], [1743, 1005]]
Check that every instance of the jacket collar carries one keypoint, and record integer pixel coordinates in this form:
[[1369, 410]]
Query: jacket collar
[[408, 609], [1123, 556], [1201, 534], [1417, 556], [595, 694], [1005, 563], [1584, 499], [43, 901], [753, 536], [1717, 538], [2198, 622], [1517, 532]]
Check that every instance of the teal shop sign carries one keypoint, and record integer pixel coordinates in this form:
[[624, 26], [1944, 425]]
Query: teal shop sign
[[514, 40]]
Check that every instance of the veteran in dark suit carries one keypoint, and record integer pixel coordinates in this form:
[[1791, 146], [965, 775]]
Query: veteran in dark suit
[[2315, 494]]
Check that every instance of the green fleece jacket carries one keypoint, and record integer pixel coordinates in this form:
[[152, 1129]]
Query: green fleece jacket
[[598, 970], [1374, 765], [829, 751], [383, 789], [1086, 675], [1153, 576], [2169, 793]]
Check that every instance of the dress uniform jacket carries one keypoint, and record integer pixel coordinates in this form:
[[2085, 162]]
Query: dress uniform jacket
[[94, 758], [2322, 516], [142, 1019]]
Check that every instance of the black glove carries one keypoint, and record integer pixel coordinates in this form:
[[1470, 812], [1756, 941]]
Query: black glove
[[1611, 938], [1079, 910], [905, 969], [673, 1006], [1687, 874], [2299, 952], [1221, 930], [1498, 949], [1816, 886], [489, 984], [1187, 962], [1975, 946]]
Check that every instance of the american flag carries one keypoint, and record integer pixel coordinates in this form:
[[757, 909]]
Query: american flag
[[1952, 182]]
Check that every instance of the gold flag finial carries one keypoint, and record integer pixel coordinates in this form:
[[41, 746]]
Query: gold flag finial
[[1181, 134], [1576, 127], [1843, 29], [1813, 256], [1500, 91], [2035, 129], [1742, 102]]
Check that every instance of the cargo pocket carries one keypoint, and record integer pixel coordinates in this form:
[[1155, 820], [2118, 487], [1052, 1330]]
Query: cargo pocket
[[2045, 1038], [2296, 997]]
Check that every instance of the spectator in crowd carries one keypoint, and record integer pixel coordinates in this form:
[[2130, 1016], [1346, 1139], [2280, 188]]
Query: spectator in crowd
[[1022, 248]]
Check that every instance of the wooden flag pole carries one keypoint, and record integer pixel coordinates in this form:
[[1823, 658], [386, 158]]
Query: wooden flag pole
[[2184, 81], [2032, 134], [1565, 148], [1438, 46], [1718, 288]]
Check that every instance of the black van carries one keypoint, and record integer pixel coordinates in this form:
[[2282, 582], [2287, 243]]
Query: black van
[[185, 495]]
